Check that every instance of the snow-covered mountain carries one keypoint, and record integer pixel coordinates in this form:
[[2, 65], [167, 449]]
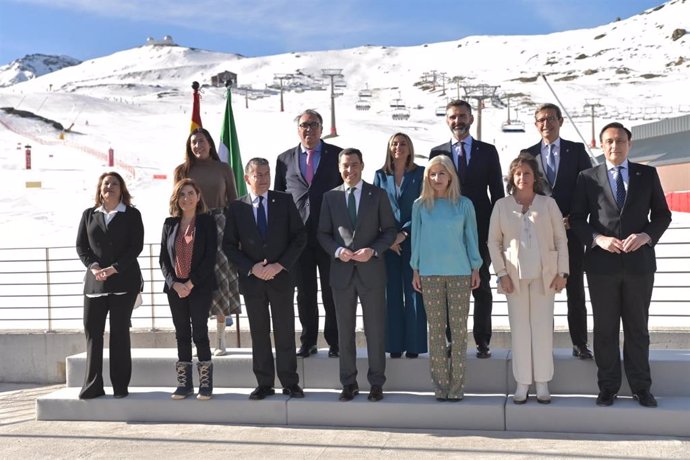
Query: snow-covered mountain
[[138, 102], [33, 66]]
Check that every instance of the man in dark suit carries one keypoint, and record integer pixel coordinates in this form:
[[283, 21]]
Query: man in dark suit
[[619, 211], [307, 172], [560, 161], [356, 226], [264, 236], [479, 170]]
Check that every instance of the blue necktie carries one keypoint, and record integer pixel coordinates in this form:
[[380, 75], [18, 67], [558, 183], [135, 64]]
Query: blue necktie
[[261, 218], [620, 187], [551, 165], [352, 206]]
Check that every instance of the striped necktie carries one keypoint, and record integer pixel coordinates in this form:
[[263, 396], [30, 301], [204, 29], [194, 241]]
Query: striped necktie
[[620, 187]]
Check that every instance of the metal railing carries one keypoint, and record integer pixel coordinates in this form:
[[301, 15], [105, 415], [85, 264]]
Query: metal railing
[[41, 288]]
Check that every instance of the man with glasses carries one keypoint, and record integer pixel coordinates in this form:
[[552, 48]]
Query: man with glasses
[[307, 172], [560, 161]]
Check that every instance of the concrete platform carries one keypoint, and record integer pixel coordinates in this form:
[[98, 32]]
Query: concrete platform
[[153, 404], [399, 410], [408, 402], [580, 414]]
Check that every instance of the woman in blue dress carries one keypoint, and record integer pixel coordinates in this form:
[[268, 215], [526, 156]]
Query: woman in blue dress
[[402, 180]]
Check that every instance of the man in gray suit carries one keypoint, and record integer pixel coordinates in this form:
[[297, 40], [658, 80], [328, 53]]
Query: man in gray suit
[[356, 226]]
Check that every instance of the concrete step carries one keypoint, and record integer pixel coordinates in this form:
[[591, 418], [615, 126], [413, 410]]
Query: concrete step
[[398, 410], [154, 367], [580, 414]]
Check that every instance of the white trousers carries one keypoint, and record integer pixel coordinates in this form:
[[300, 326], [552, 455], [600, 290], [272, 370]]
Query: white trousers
[[531, 330]]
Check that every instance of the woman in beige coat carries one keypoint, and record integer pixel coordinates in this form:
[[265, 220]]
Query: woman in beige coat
[[529, 252]]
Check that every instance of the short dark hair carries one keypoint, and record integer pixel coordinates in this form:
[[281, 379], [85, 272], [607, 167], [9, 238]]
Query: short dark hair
[[459, 103], [525, 157], [311, 112], [254, 162], [615, 125], [549, 106], [350, 151]]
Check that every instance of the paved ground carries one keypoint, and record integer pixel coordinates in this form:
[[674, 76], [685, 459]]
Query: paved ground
[[21, 436]]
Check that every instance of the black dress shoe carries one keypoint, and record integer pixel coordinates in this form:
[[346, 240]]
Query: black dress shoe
[[483, 352], [605, 398], [305, 351], [349, 392], [411, 355], [396, 355], [121, 395], [645, 398], [582, 352], [333, 352], [261, 392], [294, 391], [376, 393]]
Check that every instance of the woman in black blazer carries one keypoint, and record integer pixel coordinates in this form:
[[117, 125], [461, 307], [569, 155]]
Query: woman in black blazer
[[109, 240], [187, 258]]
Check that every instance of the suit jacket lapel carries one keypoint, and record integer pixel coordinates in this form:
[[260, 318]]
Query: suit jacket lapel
[[603, 178], [272, 210], [100, 221], [365, 202], [298, 152]]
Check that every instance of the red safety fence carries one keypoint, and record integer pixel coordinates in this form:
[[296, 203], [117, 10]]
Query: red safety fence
[[96, 153], [678, 201]]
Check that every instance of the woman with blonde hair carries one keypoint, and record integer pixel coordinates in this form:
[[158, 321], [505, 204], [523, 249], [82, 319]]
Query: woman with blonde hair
[[187, 257], [445, 262], [402, 180]]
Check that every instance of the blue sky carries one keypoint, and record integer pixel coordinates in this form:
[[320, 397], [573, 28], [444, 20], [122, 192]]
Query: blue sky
[[87, 29]]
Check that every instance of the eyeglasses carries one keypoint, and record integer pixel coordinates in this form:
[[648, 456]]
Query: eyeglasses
[[309, 124], [550, 119]]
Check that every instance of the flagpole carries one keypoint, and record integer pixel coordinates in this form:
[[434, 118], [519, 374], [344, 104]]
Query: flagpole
[[196, 111], [229, 146]]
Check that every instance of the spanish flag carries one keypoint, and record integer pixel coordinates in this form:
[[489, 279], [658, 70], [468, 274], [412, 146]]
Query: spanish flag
[[196, 115]]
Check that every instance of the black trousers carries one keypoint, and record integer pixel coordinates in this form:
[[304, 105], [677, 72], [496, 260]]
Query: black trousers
[[190, 317], [575, 288], [96, 311], [615, 297], [313, 257], [282, 313], [483, 300]]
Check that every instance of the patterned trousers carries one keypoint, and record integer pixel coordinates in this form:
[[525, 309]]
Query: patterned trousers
[[447, 301]]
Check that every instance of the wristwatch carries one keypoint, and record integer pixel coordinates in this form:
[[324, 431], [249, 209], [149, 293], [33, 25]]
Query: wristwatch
[[563, 275]]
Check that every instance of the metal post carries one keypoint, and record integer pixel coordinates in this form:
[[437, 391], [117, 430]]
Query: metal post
[[50, 305], [153, 307], [332, 74], [334, 131]]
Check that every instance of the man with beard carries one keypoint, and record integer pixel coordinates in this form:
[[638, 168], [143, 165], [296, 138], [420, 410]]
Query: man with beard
[[479, 170]]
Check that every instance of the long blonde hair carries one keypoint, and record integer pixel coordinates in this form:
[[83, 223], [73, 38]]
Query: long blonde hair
[[427, 195]]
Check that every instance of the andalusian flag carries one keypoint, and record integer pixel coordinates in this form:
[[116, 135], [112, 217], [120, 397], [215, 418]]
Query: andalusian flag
[[196, 115], [229, 147]]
